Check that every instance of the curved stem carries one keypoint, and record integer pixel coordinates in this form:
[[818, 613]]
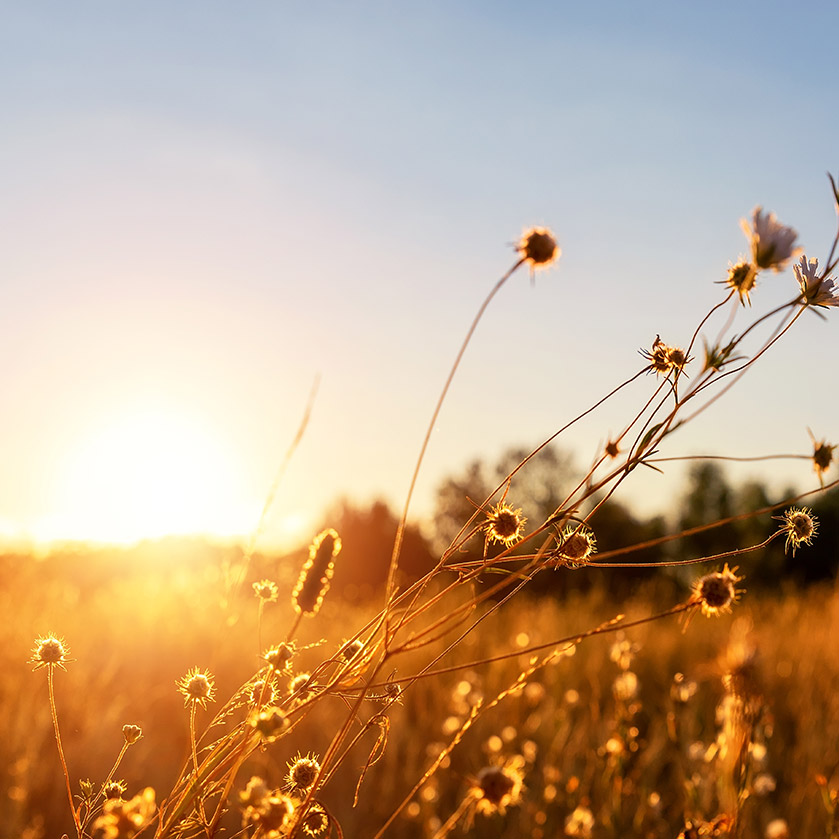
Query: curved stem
[[54, 713]]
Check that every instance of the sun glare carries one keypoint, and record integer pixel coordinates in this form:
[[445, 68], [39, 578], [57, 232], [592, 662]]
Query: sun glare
[[145, 475]]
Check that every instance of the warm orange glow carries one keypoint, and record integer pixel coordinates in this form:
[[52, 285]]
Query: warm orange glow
[[146, 474]]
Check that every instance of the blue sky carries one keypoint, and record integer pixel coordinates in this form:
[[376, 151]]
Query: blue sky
[[204, 206]]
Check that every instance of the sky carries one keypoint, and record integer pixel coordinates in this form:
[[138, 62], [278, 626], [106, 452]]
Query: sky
[[207, 206]]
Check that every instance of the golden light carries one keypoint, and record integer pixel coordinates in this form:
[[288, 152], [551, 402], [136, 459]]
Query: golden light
[[147, 474]]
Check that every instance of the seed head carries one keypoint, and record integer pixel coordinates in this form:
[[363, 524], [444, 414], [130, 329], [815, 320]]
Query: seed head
[[822, 457], [316, 821], [197, 687], [278, 658], [262, 692], [538, 247], [132, 733], [269, 723], [115, 789], [351, 649], [499, 787], [716, 592], [772, 243], [663, 358], [504, 524], [255, 791], [266, 590], [302, 773], [121, 819], [579, 823], [301, 687], [741, 277], [575, 544], [612, 449], [800, 526], [270, 816], [49, 651], [316, 574]]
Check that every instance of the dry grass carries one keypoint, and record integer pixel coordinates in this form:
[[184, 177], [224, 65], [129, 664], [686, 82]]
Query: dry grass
[[456, 704]]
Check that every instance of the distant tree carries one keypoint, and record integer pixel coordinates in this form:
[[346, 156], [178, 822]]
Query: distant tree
[[367, 534]]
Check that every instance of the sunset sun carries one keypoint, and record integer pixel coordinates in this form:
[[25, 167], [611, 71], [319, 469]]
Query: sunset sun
[[147, 474]]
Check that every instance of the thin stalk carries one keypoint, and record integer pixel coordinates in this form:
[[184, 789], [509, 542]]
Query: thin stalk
[[54, 713]]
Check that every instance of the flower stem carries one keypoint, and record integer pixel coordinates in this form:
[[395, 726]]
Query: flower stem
[[54, 713]]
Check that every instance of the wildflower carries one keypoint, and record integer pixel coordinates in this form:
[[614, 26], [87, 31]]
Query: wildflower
[[538, 247], [124, 819], [132, 733], [313, 582], [716, 592], [504, 524], [114, 789], [279, 657], [822, 457], [302, 773], [197, 687], [316, 820], [266, 591], [741, 277], [800, 526], [663, 358], [816, 290], [269, 723], [499, 787], [49, 652], [772, 243], [579, 823], [612, 448], [575, 544]]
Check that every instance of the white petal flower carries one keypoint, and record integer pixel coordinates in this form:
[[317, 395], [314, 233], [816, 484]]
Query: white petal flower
[[817, 291], [773, 243]]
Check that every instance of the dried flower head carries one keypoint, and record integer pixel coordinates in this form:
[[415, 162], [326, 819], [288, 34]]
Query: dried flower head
[[254, 793], [538, 247], [716, 592], [741, 277], [612, 449], [664, 358], [271, 816], [504, 524], [579, 823], [301, 686], [114, 789], [822, 456], [266, 591], [772, 243], [351, 649], [49, 651], [123, 819], [269, 723], [197, 687], [278, 658], [800, 526], [132, 733], [499, 787], [316, 574], [575, 545], [302, 773], [316, 820], [816, 290], [262, 692]]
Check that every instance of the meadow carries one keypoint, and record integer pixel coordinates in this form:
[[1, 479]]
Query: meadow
[[188, 690]]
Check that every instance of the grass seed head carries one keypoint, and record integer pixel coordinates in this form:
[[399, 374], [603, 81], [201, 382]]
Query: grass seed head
[[505, 524], [49, 651], [538, 247], [197, 687], [316, 574]]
